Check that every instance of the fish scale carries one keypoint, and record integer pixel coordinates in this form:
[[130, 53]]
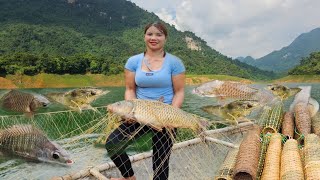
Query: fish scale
[[21, 138], [157, 114], [17, 100], [22, 102], [236, 90], [225, 89], [29, 142]]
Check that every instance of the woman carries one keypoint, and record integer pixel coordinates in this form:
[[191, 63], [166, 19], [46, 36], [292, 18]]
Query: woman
[[154, 74]]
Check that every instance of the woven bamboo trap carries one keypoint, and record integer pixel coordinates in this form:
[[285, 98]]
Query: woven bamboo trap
[[311, 148], [291, 165], [273, 123], [225, 172], [264, 116], [247, 163], [288, 125], [302, 118], [263, 151], [312, 170], [271, 168], [312, 157], [315, 124]]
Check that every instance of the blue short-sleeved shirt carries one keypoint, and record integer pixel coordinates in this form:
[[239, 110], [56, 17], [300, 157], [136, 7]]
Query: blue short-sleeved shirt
[[155, 84]]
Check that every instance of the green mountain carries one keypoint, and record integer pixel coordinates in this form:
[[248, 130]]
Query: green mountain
[[248, 60], [96, 36], [290, 56], [308, 66]]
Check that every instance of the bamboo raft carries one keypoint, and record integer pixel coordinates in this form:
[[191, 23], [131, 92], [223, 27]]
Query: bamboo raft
[[217, 144]]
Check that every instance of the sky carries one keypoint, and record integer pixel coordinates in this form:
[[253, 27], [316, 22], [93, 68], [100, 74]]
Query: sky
[[239, 27]]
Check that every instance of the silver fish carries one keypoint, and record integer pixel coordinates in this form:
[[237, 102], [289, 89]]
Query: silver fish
[[29, 142], [23, 102], [157, 115], [225, 89], [78, 99]]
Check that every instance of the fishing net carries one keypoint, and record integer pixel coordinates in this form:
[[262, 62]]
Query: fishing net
[[191, 159], [77, 132], [83, 135]]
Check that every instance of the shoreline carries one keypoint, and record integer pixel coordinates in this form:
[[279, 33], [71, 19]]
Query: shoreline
[[100, 80]]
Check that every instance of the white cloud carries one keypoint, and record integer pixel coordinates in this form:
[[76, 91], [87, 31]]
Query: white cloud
[[240, 27]]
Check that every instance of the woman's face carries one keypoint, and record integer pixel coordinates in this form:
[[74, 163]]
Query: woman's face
[[154, 39]]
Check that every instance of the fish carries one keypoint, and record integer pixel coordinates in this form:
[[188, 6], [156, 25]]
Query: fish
[[19, 101], [31, 143], [234, 111], [78, 99], [157, 115], [225, 89], [282, 91]]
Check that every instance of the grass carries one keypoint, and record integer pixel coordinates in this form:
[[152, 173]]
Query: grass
[[61, 81], [299, 78], [99, 80]]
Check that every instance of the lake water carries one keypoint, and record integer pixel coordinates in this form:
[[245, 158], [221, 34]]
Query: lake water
[[84, 156]]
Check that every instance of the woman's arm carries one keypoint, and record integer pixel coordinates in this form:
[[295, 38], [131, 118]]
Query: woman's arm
[[178, 88], [130, 92]]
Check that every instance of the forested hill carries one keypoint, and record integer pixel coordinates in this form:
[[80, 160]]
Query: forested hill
[[308, 66], [96, 36]]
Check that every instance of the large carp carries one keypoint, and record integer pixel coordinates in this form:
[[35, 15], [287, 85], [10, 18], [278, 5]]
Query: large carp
[[23, 102], [78, 99], [29, 142], [225, 89], [282, 91], [232, 112], [157, 115]]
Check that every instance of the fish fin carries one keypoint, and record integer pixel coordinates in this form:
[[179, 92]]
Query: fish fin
[[29, 114], [233, 119], [294, 91], [155, 127], [243, 119], [212, 109], [80, 109]]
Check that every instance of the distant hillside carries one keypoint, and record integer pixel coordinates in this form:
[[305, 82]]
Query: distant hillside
[[308, 66], [248, 60], [290, 56], [95, 36]]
